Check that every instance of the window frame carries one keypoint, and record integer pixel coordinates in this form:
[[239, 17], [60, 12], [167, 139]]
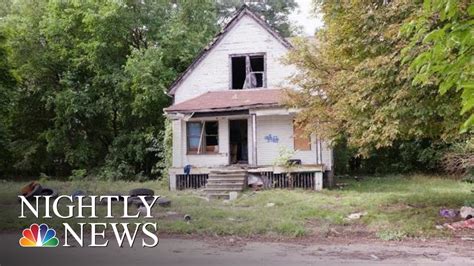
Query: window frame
[[201, 150], [264, 72]]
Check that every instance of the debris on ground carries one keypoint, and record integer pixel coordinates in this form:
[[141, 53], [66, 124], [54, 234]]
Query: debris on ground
[[448, 213], [141, 192], [341, 185], [374, 257], [467, 224], [35, 189], [187, 218], [49, 192], [77, 193], [233, 195], [356, 215], [164, 202], [467, 212], [270, 204], [148, 193], [142, 210], [255, 182]]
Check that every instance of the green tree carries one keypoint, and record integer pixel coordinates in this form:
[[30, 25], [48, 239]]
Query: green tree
[[93, 77], [7, 84], [356, 89], [275, 12], [441, 51]]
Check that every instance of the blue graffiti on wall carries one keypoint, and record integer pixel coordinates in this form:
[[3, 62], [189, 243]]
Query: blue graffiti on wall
[[270, 138]]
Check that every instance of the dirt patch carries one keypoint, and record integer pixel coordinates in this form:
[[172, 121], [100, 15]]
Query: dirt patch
[[352, 230]]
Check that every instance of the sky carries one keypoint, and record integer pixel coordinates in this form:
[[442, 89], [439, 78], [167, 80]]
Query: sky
[[304, 16]]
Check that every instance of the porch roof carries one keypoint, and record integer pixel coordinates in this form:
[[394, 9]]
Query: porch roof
[[229, 100]]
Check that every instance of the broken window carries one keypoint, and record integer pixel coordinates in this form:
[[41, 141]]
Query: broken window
[[248, 71], [302, 141], [202, 137]]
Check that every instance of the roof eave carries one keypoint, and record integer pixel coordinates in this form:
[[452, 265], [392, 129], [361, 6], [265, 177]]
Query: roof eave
[[235, 108]]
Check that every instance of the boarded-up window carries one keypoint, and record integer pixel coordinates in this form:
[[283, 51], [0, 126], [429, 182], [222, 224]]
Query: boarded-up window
[[202, 137], [302, 141]]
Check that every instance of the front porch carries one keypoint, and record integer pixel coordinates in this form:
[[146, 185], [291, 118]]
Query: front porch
[[220, 181]]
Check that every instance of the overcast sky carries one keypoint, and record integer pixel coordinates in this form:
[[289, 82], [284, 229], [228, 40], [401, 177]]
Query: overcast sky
[[305, 17]]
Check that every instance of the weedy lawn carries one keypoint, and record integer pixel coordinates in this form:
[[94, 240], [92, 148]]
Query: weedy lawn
[[396, 206]]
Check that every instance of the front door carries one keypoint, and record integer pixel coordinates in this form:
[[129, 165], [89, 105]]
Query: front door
[[238, 141]]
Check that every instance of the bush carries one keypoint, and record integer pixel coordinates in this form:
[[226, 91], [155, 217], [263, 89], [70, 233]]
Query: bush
[[459, 160], [78, 174]]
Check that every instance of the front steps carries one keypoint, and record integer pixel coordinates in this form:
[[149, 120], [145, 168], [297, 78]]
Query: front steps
[[221, 182]]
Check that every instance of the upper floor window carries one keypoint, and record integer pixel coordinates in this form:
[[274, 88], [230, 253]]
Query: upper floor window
[[248, 71]]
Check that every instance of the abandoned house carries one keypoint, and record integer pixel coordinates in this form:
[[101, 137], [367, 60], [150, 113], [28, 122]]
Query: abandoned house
[[228, 120]]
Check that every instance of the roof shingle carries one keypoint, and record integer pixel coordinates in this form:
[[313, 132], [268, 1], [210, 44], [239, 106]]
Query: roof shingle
[[229, 100]]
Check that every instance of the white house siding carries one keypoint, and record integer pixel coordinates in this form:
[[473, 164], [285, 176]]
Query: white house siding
[[281, 126], [213, 72], [180, 156]]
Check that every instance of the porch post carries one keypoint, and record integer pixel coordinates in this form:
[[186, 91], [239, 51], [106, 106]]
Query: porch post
[[254, 139], [318, 181]]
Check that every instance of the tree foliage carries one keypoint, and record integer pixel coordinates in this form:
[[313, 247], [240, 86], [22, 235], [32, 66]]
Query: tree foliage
[[275, 12], [355, 87], [442, 49], [93, 78], [84, 83]]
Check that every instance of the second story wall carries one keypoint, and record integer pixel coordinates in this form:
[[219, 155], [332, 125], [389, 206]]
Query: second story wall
[[213, 72]]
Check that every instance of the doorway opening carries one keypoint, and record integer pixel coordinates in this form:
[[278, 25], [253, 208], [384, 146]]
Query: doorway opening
[[238, 141]]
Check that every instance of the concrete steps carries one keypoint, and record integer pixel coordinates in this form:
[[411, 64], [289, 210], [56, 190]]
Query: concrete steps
[[220, 183]]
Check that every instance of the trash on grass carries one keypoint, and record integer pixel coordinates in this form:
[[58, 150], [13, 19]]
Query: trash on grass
[[187, 217], [233, 195], [270, 204], [142, 210], [255, 181], [448, 213], [467, 212], [164, 202], [356, 215], [77, 193], [467, 224]]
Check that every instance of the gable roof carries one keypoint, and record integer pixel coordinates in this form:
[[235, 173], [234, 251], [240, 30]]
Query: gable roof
[[229, 100], [244, 10]]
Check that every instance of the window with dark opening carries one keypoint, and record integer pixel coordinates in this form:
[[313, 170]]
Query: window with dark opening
[[203, 137], [248, 71], [238, 72]]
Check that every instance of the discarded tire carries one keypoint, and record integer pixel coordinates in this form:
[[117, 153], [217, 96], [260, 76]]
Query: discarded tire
[[163, 202], [141, 192], [49, 192], [34, 192], [138, 202]]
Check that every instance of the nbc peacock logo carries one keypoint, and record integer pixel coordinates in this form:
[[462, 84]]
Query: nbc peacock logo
[[39, 236]]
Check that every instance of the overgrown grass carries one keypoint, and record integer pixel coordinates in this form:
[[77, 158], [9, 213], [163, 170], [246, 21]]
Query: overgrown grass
[[396, 206]]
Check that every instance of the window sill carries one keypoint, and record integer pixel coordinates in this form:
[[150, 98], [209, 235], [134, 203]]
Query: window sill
[[205, 153]]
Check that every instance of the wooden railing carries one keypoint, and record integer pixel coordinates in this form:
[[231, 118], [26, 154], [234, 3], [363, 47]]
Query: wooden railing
[[191, 181], [300, 180], [303, 180]]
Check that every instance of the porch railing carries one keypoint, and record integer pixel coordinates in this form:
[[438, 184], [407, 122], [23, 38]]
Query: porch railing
[[193, 181], [303, 180], [300, 180]]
